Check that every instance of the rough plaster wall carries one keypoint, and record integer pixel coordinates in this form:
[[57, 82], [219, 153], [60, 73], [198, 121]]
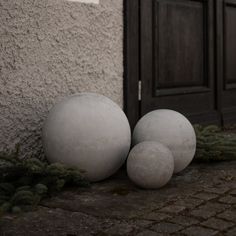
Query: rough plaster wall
[[50, 49]]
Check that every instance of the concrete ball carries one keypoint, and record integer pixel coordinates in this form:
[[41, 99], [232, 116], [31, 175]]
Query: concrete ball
[[89, 131], [150, 165], [171, 129]]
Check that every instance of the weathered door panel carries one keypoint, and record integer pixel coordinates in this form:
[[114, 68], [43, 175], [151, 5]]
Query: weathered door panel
[[184, 53], [226, 59], [177, 58]]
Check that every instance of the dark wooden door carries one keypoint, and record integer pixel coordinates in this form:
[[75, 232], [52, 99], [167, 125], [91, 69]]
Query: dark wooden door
[[177, 58], [184, 54], [226, 59]]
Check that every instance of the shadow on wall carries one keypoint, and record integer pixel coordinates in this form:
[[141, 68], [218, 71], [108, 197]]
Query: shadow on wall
[[51, 49]]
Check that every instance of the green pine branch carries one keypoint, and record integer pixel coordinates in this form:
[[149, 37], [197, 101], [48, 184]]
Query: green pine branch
[[214, 145], [24, 183]]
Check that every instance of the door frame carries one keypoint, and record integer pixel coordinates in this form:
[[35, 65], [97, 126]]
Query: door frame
[[228, 115], [132, 60]]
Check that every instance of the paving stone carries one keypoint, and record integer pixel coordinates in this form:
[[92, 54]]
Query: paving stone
[[233, 192], [52, 222], [155, 216], [217, 224], [166, 227], [199, 231], [189, 202], [205, 214], [148, 233], [217, 190], [217, 207], [173, 209], [206, 196], [142, 223], [120, 229], [208, 210], [231, 232], [183, 220], [228, 200], [228, 215]]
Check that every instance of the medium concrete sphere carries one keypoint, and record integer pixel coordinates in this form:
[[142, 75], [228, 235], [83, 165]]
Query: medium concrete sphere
[[171, 129], [150, 165], [89, 131]]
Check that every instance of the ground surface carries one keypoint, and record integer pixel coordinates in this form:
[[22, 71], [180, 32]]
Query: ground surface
[[199, 201]]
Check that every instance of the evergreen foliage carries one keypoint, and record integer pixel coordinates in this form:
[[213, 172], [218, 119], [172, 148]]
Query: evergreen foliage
[[25, 182], [214, 145]]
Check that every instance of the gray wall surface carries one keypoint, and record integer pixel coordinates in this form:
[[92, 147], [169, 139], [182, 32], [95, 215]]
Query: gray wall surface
[[50, 49]]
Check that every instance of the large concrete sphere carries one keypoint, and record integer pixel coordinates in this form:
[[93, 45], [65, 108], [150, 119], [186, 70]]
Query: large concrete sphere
[[171, 129], [88, 131], [150, 165]]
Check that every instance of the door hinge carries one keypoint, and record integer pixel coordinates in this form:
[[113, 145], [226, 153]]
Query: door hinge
[[139, 90]]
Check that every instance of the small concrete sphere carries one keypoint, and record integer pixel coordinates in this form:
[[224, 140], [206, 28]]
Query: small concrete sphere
[[88, 131], [150, 165], [171, 129]]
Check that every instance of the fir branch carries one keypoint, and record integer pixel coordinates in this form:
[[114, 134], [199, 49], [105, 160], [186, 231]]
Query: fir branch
[[214, 145], [24, 183]]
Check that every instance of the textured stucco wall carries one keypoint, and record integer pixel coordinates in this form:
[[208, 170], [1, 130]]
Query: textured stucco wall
[[50, 49]]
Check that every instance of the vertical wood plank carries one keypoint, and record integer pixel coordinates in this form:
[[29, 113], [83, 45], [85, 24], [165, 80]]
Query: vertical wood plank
[[219, 54], [131, 60]]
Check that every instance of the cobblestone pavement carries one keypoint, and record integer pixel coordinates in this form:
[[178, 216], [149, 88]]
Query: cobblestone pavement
[[199, 201]]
